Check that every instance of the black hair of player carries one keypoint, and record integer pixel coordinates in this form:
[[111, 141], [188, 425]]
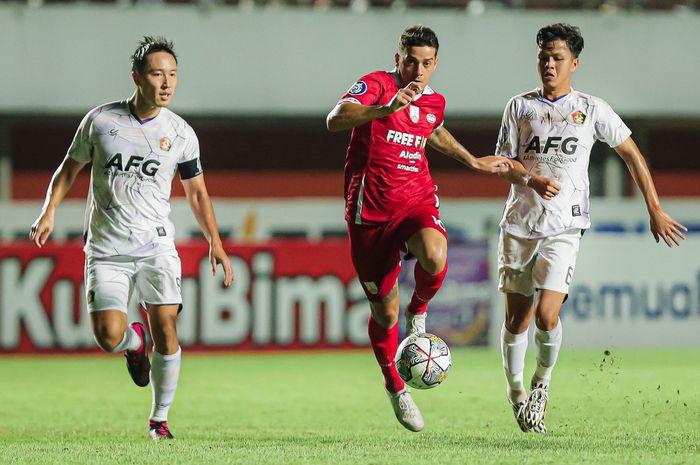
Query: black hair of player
[[562, 31], [418, 36], [148, 45]]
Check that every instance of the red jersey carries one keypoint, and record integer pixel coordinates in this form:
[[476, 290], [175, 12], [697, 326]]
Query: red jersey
[[386, 172]]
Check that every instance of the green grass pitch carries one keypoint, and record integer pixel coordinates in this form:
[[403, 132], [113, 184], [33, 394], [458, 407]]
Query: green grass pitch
[[631, 407]]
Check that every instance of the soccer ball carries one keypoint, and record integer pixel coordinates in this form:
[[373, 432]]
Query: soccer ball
[[423, 360]]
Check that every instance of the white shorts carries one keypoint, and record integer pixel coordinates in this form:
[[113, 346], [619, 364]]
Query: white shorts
[[525, 265], [110, 281]]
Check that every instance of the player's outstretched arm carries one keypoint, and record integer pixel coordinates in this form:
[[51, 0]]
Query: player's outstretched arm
[[200, 203], [547, 188], [347, 115], [60, 184], [662, 225], [442, 141]]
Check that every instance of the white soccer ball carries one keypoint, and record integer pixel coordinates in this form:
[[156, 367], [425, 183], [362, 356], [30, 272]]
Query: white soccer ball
[[423, 360]]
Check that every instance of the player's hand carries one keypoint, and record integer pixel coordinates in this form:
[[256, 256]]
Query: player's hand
[[42, 228], [218, 256], [664, 227], [547, 188], [405, 96], [492, 164]]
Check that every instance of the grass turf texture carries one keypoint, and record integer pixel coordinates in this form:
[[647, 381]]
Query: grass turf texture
[[633, 406]]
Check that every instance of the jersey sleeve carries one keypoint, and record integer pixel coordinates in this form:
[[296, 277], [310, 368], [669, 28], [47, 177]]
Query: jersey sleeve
[[80, 149], [507, 144], [609, 127], [366, 91], [189, 165]]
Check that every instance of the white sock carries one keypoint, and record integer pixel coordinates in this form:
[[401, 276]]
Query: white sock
[[548, 344], [165, 371], [131, 341], [513, 349]]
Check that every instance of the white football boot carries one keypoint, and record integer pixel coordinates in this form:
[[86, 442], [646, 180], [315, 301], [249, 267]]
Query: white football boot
[[415, 324], [406, 410], [536, 408], [519, 412]]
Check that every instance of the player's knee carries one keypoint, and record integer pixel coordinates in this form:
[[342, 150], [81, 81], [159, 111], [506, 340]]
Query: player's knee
[[435, 259], [107, 338], [517, 323], [546, 317], [385, 314], [165, 339]]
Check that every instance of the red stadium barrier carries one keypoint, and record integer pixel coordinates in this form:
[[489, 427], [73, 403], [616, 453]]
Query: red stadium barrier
[[286, 295]]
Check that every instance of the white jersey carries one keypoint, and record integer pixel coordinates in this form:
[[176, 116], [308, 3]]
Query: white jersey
[[133, 165], [554, 139]]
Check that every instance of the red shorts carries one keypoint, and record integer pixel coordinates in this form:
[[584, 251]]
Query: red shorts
[[375, 247]]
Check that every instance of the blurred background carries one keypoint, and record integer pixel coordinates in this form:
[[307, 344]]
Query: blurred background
[[257, 78]]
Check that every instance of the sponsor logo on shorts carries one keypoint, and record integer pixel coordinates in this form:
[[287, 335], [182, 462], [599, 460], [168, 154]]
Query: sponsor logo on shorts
[[431, 118], [575, 210], [358, 88], [161, 230], [165, 144], [178, 282], [113, 132], [370, 286], [439, 222]]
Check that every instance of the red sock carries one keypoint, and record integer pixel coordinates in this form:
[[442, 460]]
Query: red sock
[[384, 343], [427, 286]]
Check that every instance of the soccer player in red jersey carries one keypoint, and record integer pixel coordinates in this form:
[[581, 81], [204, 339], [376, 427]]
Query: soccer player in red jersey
[[391, 202]]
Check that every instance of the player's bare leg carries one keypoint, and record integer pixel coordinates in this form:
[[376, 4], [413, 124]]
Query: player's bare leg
[[165, 369], [519, 311], [548, 335], [113, 334], [384, 336], [429, 246]]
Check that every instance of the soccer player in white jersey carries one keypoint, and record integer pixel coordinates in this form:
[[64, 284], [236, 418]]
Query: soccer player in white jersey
[[548, 133], [136, 146]]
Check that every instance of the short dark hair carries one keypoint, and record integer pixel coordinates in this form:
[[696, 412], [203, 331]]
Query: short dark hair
[[148, 45], [562, 31], [418, 36]]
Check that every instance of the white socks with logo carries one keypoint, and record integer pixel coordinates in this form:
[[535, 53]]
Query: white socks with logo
[[165, 371], [513, 349], [548, 344]]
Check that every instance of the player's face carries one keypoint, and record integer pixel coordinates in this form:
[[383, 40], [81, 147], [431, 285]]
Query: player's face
[[159, 79], [416, 64], [555, 64]]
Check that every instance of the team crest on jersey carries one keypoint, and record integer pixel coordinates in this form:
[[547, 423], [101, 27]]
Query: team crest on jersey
[[165, 144], [358, 88], [431, 118], [414, 112], [578, 117]]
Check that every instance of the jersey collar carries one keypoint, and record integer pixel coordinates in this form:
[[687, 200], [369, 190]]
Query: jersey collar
[[556, 100]]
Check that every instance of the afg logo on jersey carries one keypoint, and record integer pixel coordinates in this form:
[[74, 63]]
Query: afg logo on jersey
[[578, 117], [165, 144], [358, 88], [134, 163]]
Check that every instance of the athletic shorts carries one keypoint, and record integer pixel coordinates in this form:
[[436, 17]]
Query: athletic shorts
[[526, 265], [110, 281], [375, 248]]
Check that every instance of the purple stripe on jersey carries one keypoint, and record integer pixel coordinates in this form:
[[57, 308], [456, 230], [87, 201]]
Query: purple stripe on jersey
[[549, 100], [144, 121], [141, 121]]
